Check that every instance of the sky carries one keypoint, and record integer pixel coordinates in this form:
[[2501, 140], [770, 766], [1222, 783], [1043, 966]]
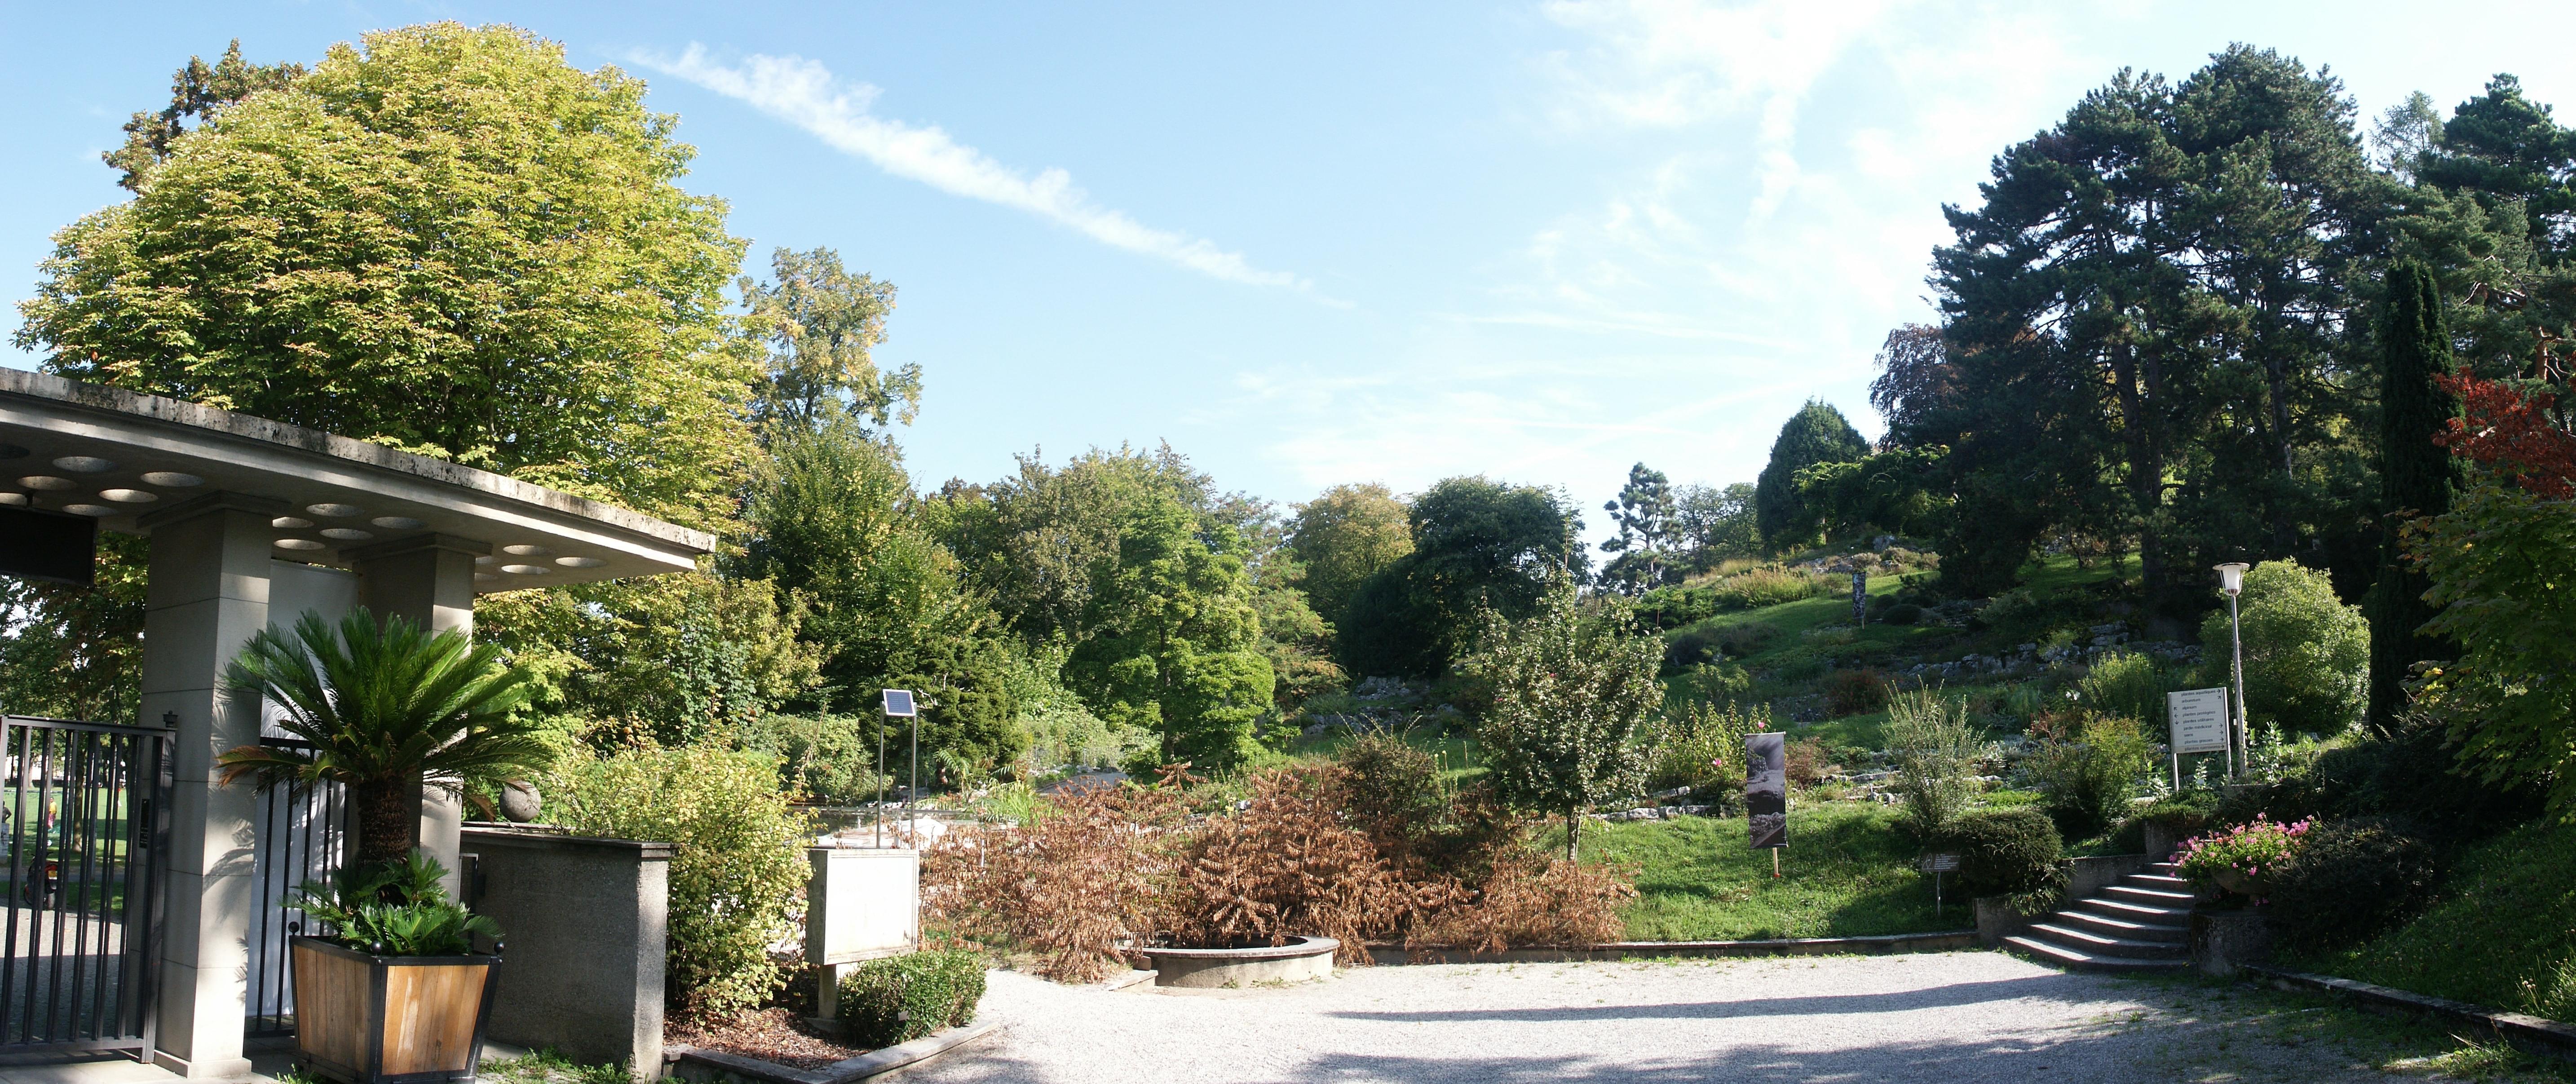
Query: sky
[[1317, 243]]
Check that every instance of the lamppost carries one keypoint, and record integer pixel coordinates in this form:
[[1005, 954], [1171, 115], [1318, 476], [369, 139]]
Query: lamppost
[[898, 705], [2231, 580]]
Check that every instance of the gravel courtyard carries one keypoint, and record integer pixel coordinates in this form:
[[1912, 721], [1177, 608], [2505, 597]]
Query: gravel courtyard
[[1967, 1016]]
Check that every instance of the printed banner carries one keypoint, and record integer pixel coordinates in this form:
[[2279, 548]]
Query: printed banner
[[1766, 789]]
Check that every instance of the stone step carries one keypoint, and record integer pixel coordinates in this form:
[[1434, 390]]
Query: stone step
[[2135, 912], [2074, 936], [2125, 928], [2153, 897], [2158, 881], [2074, 959]]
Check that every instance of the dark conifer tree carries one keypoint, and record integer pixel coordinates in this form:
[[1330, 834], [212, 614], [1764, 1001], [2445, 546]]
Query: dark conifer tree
[[1817, 433], [2416, 477]]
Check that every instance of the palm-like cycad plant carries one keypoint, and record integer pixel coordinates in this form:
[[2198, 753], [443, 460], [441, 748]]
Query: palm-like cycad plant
[[388, 708]]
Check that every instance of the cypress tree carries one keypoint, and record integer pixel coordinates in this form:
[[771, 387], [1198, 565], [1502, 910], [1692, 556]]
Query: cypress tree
[[2416, 478], [1817, 433]]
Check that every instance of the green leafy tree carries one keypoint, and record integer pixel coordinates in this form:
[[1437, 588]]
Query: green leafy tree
[[2416, 476], [821, 323], [384, 708], [676, 659], [1347, 534], [1039, 540], [2305, 651], [1572, 696], [1817, 433], [1712, 524], [2498, 564], [1478, 544], [1898, 491], [444, 239], [1644, 512], [198, 92], [1174, 644]]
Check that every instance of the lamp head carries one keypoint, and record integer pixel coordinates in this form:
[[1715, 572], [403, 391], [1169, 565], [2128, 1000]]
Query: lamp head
[[2231, 577]]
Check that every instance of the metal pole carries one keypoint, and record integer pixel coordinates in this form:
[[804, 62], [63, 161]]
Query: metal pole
[[879, 811], [912, 793], [2236, 735]]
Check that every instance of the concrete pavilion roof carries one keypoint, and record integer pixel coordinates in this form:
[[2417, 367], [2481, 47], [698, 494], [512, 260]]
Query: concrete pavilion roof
[[88, 449]]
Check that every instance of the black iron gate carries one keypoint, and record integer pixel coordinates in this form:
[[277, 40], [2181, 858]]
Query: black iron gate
[[85, 821], [300, 839]]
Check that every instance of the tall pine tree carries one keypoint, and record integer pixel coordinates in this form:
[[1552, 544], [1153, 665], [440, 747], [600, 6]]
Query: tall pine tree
[[2416, 477], [1817, 433]]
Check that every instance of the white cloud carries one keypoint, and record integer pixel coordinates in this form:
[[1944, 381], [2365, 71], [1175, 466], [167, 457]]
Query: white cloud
[[804, 93]]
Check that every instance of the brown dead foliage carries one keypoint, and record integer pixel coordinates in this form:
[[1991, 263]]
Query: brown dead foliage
[[1105, 871]]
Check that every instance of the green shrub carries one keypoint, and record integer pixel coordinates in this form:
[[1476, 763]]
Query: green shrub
[[1855, 692], [2088, 768], [2187, 812], [1392, 786], [736, 874], [1702, 747], [1760, 587], [2007, 852], [2018, 614], [1936, 751], [1903, 613], [831, 759], [902, 998], [1667, 608], [1741, 641], [2351, 879], [2126, 683], [2305, 651]]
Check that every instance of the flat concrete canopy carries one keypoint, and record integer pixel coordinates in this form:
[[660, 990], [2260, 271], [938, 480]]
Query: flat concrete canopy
[[118, 456]]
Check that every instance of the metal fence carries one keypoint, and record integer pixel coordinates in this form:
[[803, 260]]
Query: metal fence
[[301, 838], [85, 821]]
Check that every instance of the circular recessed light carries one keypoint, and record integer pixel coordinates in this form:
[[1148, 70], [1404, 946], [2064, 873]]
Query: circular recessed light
[[526, 551], [298, 544], [347, 534], [483, 560], [579, 562], [172, 479], [16, 499], [486, 577], [47, 481], [526, 570], [89, 509], [85, 464], [396, 523], [334, 511], [12, 451], [129, 496], [290, 523]]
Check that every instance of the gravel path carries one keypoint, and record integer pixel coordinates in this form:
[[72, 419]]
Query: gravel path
[[1967, 1016]]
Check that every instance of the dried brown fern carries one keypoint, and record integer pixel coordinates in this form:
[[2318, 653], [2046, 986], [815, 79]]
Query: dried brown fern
[[1079, 886], [1290, 863]]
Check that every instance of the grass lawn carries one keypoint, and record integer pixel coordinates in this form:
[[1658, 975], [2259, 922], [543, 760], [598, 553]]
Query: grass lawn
[[2501, 933], [1847, 873]]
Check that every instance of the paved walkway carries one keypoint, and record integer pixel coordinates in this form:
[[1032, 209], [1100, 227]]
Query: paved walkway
[[1967, 1016]]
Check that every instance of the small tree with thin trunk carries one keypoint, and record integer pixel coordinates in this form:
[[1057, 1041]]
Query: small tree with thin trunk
[[1571, 695], [386, 709]]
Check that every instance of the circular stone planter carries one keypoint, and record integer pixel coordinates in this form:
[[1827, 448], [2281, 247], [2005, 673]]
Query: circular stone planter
[[1301, 959]]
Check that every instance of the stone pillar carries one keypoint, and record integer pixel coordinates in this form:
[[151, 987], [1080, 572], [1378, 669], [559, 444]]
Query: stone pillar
[[586, 923], [429, 579], [206, 597]]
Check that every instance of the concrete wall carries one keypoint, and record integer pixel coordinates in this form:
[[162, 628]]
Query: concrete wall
[[585, 925]]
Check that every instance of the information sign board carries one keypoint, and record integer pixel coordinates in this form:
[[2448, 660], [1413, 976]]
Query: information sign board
[[2199, 720], [1766, 790]]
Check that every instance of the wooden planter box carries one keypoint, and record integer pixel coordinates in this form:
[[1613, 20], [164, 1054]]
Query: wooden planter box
[[390, 1019]]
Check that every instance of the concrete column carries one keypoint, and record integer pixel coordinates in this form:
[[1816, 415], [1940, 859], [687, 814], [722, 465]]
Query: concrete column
[[429, 579], [206, 597]]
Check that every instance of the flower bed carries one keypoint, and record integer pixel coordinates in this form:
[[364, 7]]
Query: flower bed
[[2242, 859]]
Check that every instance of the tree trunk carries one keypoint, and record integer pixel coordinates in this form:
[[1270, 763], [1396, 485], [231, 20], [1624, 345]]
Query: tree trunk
[[1573, 830], [2146, 472], [388, 821]]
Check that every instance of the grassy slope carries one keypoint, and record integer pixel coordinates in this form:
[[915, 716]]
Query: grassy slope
[[2502, 933], [1846, 873]]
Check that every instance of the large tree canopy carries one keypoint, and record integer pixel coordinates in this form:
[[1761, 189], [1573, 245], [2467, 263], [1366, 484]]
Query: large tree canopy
[[1478, 545], [1343, 537], [1817, 433], [445, 239]]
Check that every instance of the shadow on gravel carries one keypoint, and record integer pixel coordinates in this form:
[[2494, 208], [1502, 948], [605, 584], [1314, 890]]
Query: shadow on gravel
[[1939, 1061], [1937, 997]]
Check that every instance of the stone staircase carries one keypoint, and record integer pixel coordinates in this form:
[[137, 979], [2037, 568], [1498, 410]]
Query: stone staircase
[[2142, 923]]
